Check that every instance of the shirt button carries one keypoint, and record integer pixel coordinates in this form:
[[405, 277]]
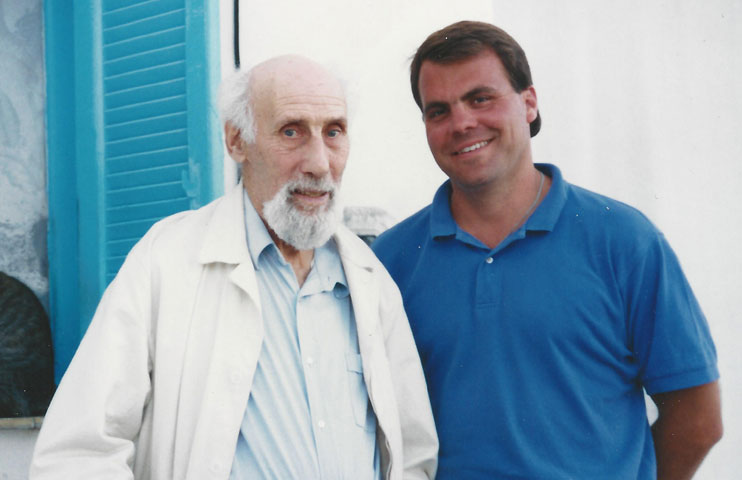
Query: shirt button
[[310, 361], [489, 260], [321, 424]]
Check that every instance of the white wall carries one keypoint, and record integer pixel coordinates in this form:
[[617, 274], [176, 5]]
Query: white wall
[[369, 44], [640, 101], [23, 202]]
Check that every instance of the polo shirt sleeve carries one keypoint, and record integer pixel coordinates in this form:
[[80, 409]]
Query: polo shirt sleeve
[[668, 332]]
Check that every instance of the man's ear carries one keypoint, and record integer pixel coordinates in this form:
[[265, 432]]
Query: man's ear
[[236, 146], [529, 97]]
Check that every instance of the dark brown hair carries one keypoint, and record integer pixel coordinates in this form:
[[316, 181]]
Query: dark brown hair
[[463, 40]]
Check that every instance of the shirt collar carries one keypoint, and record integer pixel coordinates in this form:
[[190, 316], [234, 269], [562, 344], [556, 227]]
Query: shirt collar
[[442, 223], [258, 238], [327, 272], [547, 213]]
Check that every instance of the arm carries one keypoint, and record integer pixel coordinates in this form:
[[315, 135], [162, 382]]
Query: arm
[[90, 428], [419, 437], [688, 425]]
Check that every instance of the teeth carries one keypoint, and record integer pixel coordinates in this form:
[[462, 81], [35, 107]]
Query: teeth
[[476, 146], [309, 193]]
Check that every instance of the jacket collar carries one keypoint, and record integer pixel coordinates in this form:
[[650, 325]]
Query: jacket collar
[[224, 239]]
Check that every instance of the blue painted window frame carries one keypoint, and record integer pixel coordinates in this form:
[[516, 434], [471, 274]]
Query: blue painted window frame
[[79, 147]]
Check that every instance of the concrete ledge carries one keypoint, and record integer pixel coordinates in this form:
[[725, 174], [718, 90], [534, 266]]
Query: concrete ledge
[[21, 423]]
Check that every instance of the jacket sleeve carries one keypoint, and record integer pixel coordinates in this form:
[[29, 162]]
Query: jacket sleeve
[[419, 438], [90, 429]]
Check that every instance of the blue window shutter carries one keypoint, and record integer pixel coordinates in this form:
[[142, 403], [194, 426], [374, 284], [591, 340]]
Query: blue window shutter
[[151, 166], [146, 135]]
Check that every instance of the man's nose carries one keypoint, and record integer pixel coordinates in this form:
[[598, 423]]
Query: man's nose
[[316, 157], [462, 119]]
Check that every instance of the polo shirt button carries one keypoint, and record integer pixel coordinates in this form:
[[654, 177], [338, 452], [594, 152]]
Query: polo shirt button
[[321, 424], [489, 260]]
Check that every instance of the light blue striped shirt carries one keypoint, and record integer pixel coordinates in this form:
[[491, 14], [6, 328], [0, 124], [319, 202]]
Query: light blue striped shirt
[[308, 416]]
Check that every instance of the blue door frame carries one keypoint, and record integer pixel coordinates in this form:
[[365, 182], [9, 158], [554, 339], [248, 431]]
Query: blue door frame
[[132, 136]]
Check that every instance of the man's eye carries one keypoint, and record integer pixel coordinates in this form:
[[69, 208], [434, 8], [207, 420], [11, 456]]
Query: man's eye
[[481, 99], [290, 132], [334, 132], [431, 114]]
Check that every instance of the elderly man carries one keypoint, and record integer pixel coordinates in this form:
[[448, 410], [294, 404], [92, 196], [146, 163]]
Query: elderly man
[[254, 337], [541, 311]]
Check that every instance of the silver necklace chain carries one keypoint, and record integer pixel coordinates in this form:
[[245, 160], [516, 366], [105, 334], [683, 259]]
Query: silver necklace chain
[[535, 201]]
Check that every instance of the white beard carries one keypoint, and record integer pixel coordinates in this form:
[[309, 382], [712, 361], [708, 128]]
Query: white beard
[[303, 230]]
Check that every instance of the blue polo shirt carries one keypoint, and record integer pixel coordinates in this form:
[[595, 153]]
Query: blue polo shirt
[[536, 352]]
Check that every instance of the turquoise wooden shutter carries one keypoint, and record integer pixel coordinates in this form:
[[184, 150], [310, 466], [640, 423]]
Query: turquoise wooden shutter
[[150, 170], [145, 135]]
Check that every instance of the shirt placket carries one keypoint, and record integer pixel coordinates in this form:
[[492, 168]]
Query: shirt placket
[[310, 362]]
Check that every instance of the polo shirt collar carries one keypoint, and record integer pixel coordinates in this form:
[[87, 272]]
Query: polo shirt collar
[[543, 218], [442, 223]]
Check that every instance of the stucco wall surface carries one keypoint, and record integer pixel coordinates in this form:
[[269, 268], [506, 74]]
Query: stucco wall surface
[[23, 200]]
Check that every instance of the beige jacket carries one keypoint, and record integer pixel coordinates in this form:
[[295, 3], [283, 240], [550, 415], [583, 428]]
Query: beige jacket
[[158, 387]]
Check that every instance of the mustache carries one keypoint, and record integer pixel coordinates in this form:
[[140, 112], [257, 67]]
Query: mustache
[[324, 184]]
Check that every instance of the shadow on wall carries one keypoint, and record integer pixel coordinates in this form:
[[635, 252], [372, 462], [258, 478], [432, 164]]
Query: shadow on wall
[[26, 357]]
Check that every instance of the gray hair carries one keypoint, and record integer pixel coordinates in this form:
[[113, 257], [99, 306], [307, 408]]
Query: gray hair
[[235, 104]]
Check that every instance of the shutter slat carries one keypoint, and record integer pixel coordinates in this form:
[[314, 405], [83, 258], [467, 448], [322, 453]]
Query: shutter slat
[[145, 143], [123, 250], [143, 160], [144, 194], [143, 43], [138, 128], [129, 230], [117, 12], [149, 176], [146, 211], [137, 95], [131, 27], [157, 55], [146, 77], [148, 109]]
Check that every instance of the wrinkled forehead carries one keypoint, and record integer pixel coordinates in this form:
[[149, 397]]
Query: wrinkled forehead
[[300, 86]]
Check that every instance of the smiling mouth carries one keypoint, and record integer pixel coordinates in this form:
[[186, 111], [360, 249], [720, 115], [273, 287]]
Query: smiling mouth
[[310, 199], [310, 193], [472, 148]]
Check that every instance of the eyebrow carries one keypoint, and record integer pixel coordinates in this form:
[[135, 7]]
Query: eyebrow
[[342, 121]]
